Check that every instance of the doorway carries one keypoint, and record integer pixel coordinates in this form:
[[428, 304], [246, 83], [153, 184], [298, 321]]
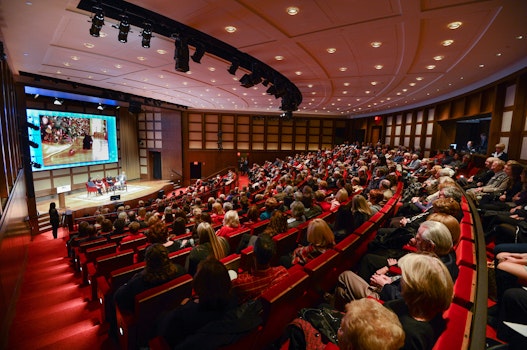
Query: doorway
[[155, 158], [195, 170]]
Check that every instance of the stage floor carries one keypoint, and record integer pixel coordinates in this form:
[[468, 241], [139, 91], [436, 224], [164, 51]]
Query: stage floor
[[79, 199]]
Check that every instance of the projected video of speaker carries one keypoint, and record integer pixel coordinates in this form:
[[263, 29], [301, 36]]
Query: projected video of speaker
[[65, 139]]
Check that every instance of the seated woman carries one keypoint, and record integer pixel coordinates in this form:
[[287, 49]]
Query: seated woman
[[158, 233], [209, 245], [506, 200], [159, 269], [297, 214], [427, 291], [217, 213], [212, 299], [231, 223], [360, 211], [320, 238]]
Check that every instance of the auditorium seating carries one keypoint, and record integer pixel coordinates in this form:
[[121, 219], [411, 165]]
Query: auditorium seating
[[136, 328], [235, 238], [104, 265], [133, 244]]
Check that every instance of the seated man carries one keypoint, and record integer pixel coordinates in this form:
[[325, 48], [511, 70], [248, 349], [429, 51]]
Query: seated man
[[250, 285], [94, 185]]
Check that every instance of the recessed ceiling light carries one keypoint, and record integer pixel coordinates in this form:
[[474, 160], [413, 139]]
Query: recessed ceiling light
[[141, 58], [161, 51], [398, 94], [212, 69], [298, 72], [376, 44], [67, 64], [118, 66], [343, 69], [447, 42], [438, 58], [519, 37], [230, 29], [89, 45], [103, 35], [59, 72], [346, 84], [367, 91], [404, 90], [499, 54], [454, 25], [374, 83], [344, 92], [412, 84], [378, 66], [310, 85], [419, 78], [430, 66], [279, 58], [161, 76], [481, 66], [292, 10], [75, 58], [331, 50]]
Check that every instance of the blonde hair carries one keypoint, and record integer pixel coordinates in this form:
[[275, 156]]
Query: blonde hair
[[342, 195], [231, 219], [217, 208], [319, 234], [359, 203], [450, 222], [427, 286], [206, 234], [368, 325]]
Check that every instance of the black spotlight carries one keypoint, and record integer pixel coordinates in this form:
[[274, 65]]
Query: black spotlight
[[36, 165], [234, 66], [124, 28], [97, 22], [198, 54], [181, 53], [32, 126], [2, 52], [147, 35], [32, 144], [250, 80]]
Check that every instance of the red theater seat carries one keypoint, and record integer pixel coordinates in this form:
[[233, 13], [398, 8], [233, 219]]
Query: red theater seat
[[281, 304], [135, 328], [104, 265], [457, 332], [465, 287]]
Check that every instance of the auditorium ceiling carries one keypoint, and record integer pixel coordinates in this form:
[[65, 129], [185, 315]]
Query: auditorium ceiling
[[347, 57]]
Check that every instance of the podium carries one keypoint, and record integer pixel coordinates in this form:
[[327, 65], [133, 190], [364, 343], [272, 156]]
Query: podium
[[61, 191]]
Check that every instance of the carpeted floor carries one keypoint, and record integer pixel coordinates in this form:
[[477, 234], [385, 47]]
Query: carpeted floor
[[54, 310]]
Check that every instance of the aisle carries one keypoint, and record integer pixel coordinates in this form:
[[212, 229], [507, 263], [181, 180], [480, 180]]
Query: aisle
[[54, 311]]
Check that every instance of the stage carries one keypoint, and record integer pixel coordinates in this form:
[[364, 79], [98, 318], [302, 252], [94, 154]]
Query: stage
[[81, 203]]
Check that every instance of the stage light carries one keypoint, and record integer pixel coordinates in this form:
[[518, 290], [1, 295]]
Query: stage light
[[287, 115], [198, 54], [58, 102], [97, 22], [100, 107], [36, 96], [181, 53], [32, 144], [234, 67], [250, 80], [2, 52], [36, 165], [32, 126], [147, 35], [124, 28]]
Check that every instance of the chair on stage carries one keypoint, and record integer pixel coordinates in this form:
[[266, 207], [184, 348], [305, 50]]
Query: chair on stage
[[90, 189]]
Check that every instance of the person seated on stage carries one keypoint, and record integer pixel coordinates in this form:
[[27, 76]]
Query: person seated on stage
[[368, 325], [120, 180], [100, 185], [92, 184], [249, 285]]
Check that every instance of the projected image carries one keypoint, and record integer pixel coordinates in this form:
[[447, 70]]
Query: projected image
[[70, 139]]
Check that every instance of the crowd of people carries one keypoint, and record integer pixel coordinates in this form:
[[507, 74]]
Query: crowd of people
[[354, 181]]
